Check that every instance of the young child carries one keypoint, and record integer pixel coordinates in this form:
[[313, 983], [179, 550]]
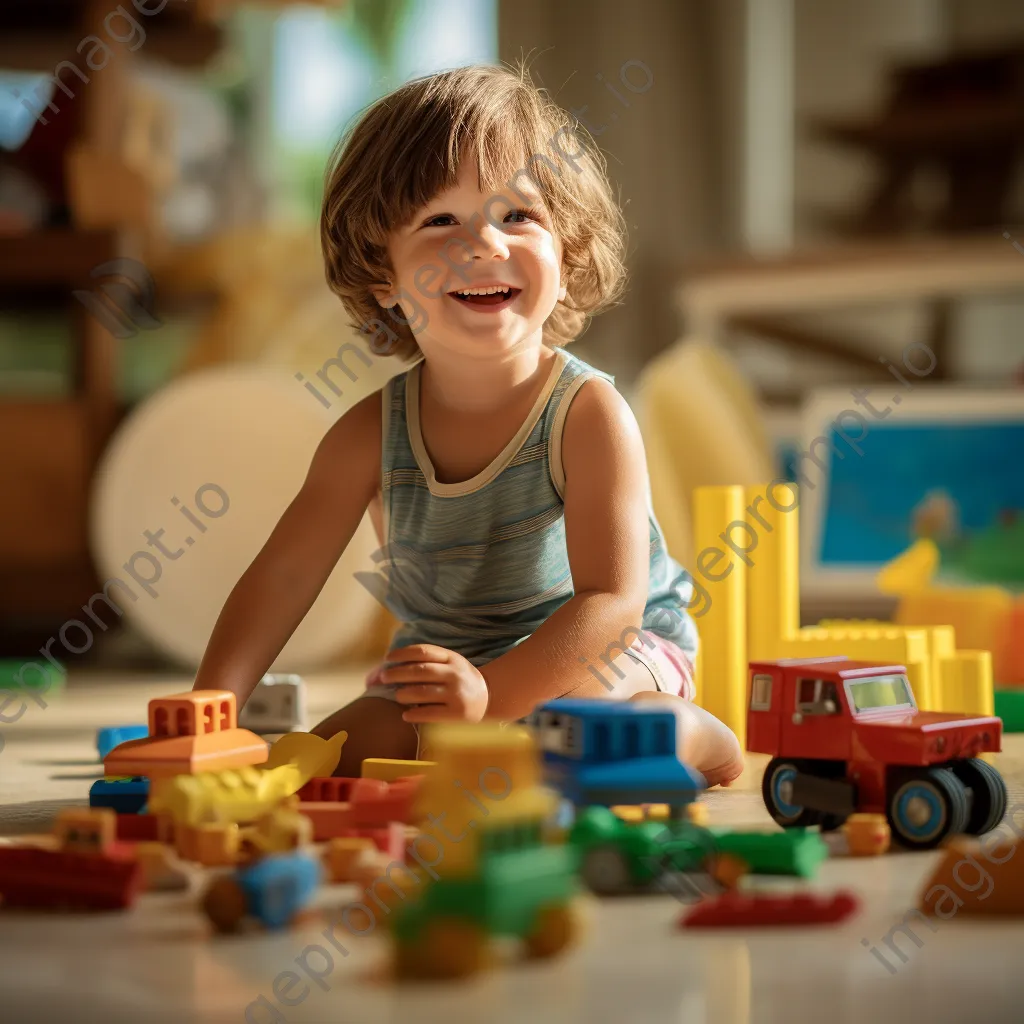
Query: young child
[[467, 221]]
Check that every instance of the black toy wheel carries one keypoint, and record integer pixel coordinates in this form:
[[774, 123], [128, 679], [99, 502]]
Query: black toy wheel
[[606, 871], [988, 794], [777, 789], [927, 806]]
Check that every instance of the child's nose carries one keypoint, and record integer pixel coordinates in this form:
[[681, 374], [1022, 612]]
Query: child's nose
[[487, 242]]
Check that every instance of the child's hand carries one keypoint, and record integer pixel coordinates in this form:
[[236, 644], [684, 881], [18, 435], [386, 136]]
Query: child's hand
[[445, 683]]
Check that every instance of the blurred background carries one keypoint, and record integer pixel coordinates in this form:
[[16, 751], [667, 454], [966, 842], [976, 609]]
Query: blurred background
[[823, 199]]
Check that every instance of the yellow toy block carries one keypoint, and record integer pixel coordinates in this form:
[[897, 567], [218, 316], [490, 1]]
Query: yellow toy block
[[486, 775], [891, 644], [721, 531], [773, 581], [388, 769], [965, 682]]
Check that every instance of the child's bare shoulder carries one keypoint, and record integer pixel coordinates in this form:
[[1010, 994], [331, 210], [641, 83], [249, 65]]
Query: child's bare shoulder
[[351, 448], [598, 413]]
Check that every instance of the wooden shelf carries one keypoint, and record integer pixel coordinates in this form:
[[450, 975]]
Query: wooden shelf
[[60, 258]]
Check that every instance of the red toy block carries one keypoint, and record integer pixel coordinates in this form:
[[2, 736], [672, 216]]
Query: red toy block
[[328, 790], [738, 910], [373, 809], [138, 828], [31, 877], [390, 840]]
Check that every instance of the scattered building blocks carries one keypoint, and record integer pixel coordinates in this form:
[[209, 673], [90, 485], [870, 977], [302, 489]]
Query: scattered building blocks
[[212, 845], [773, 592], [794, 852], [342, 857], [945, 893], [728, 871], [741, 910], [391, 770], [867, 835], [188, 733], [90, 870], [14, 675], [310, 756], [847, 735], [618, 857], [161, 870], [125, 796], [277, 705], [271, 892], [445, 930], [334, 789], [138, 828], [965, 683], [1010, 708], [281, 830], [723, 624], [114, 735], [610, 753]]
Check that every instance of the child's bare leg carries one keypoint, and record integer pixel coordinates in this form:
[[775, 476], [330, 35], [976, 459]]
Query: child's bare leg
[[375, 729], [703, 741]]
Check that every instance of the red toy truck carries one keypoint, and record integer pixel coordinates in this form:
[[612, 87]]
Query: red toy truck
[[847, 736]]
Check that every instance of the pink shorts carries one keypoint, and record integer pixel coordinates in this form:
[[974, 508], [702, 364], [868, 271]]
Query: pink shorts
[[671, 667]]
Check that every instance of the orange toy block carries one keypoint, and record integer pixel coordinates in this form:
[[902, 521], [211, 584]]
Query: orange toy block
[[867, 835], [213, 846], [91, 830], [370, 808], [331, 790], [188, 733], [343, 856], [976, 878]]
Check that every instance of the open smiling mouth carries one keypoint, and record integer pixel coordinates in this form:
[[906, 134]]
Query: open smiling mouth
[[486, 299]]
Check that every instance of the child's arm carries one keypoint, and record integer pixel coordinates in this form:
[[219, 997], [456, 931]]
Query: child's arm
[[280, 586], [607, 532]]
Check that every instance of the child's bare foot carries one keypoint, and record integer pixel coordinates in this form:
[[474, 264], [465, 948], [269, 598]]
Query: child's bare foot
[[703, 741]]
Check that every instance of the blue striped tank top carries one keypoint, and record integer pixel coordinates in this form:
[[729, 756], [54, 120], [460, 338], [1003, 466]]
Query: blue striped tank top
[[478, 566]]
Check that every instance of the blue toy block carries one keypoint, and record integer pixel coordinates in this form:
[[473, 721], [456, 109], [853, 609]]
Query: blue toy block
[[605, 753], [276, 888], [114, 735], [126, 796]]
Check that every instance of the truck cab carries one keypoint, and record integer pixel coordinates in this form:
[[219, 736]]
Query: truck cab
[[847, 736]]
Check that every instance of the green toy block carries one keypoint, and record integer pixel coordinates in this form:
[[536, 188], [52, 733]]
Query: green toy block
[[503, 898], [794, 851], [38, 678], [1010, 708]]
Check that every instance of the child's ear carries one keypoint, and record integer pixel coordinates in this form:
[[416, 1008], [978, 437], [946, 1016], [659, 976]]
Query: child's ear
[[561, 292], [382, 293]]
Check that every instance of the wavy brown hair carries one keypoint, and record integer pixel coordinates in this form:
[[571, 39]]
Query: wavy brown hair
[[406, 149]]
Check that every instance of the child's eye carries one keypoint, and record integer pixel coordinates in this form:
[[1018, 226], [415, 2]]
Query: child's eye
[[524, 214], [433, 222]]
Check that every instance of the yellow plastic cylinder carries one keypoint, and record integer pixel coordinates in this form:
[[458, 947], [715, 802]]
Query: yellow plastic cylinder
[[724, 544]]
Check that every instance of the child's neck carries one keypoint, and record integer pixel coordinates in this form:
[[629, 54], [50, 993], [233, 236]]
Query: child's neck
[[482, 385]]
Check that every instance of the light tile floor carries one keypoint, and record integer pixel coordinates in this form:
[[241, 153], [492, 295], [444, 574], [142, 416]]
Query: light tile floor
[[157, 963]]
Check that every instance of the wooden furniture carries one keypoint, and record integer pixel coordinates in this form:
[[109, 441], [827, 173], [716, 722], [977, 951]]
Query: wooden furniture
[[962, 117], [756, 294], [102, 155]]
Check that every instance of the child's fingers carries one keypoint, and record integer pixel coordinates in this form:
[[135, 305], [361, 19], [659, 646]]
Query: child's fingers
[[418, 652], [417, 672], [426, 694]]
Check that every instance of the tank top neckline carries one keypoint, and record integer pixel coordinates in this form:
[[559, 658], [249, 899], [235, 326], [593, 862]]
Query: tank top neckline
[[501, 460]]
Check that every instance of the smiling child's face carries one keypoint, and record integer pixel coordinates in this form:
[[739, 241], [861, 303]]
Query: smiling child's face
[[464, 240]]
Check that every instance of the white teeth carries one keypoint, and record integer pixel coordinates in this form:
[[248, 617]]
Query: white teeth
[[483, 291]]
